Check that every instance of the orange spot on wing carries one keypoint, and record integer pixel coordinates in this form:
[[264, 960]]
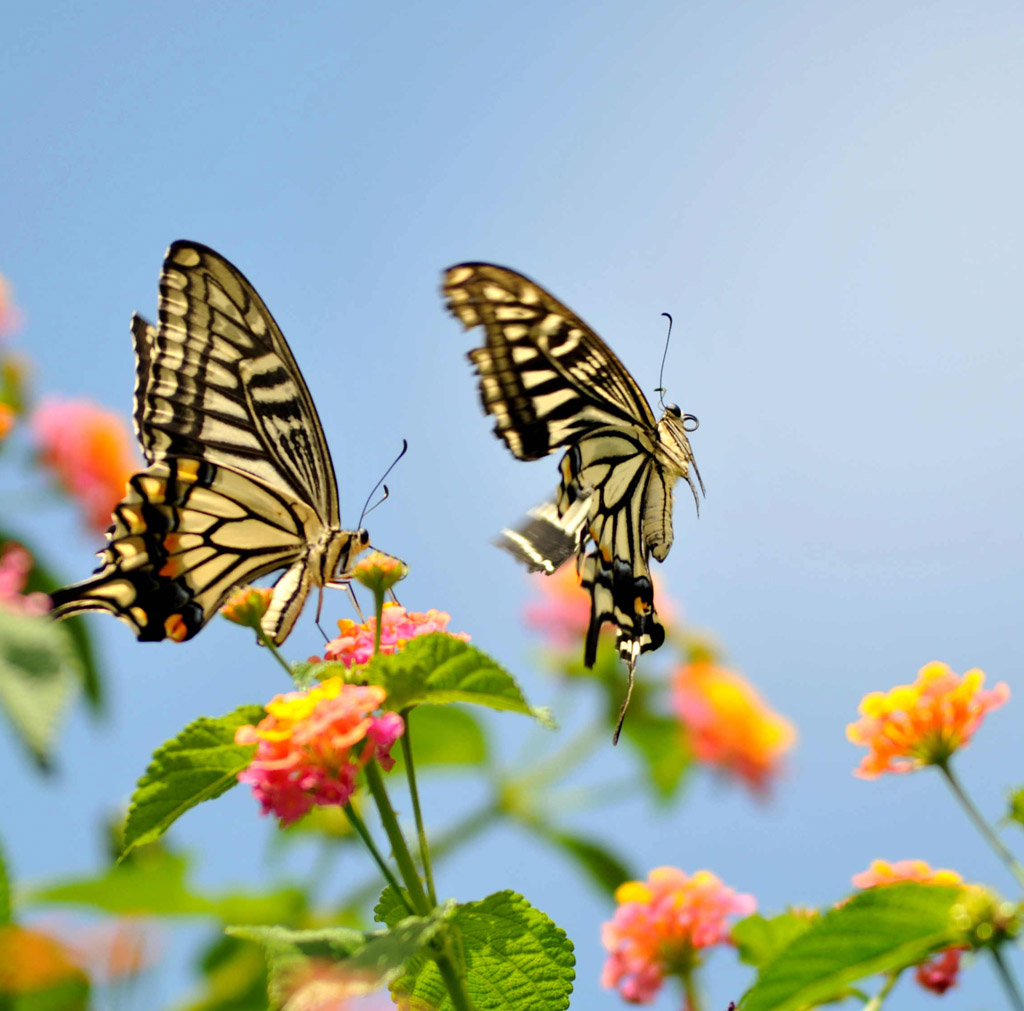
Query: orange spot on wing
[[175, 627]]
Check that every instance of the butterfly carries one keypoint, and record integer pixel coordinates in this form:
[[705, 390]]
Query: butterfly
[[551, 383], [239, 480]]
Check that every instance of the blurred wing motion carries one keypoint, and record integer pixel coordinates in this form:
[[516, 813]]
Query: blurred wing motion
[[240, 480], [550, 382]]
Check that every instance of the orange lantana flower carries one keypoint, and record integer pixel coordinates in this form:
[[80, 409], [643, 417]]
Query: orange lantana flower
[[90, 451], [924, 723], [729, 725], [31, 960]]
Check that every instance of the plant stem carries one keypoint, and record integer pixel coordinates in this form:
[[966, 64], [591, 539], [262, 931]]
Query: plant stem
[[364, 833], [378, 602], [403, 857], [264, 640], [452, 980], [410, 772], [692, 996], [890, 981], [982, 826], [1009, 983]]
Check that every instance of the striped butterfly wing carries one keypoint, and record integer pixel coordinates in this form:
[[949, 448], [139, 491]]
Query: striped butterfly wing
[[216, 380], [239, 482], [185, 535], [549, 381]]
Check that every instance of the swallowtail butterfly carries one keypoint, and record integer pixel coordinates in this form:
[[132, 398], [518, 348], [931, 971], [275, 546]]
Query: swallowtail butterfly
[[239, 479], [551, 383]]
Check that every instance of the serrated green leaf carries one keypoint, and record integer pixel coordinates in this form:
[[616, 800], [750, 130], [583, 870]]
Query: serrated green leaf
[[437, 669], [444, 735], [39, 675], [879, 930], [600, 864], [514, 958], [759, 940], [200, 763]]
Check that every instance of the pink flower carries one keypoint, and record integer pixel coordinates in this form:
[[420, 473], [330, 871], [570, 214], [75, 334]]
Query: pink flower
[[661, 926], [15, 566], [10, 314], [90, 452], [354, 646], [729, 725], [311, 745], [562, 614]]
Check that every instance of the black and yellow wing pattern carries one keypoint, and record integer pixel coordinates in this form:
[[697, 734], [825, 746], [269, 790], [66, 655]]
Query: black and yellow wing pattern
[[239, 480], [551, 383]]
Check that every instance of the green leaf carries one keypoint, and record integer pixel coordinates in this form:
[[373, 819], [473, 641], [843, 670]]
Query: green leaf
[[437, 669], [1016, 811], [201, 763], [235, 977], [881, 929], [601, 865], [69, 995], [42, 580], [760, 940], [356, 963], [39, 675], [155, 886], [154, 882], [444, 735], [514, 957]]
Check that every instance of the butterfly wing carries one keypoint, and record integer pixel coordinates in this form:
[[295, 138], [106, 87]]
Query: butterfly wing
[[186, 534], [216, 380]]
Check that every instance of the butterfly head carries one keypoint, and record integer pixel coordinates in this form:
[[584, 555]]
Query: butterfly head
[[674, 444]]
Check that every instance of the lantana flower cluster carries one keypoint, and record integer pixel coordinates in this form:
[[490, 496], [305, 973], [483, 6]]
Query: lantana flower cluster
[[90, 452], [729, 725], [311, 745], [923, 723], [354, 645], [661, 926]]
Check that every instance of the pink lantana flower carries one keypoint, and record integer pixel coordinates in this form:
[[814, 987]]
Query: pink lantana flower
[[661, 926], [15, 566], [311, 745], [89, 451], [354, 646], [562, 612]]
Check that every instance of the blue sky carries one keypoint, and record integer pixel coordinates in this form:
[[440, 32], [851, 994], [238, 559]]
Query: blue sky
[[826, 197]]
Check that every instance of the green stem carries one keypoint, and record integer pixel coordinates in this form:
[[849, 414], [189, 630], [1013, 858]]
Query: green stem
[[403, 857], [982, 826], [410, 772], [692, 995], [361, 830], [453, 980], [378, 600], [1009, 983], [274, 651], [890, 981]]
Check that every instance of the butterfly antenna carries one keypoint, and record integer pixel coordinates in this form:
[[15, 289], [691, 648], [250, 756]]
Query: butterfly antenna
[[660, 389], [373, 491]]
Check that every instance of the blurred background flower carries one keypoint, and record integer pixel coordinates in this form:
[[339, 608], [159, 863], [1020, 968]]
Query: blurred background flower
[[90, 451]]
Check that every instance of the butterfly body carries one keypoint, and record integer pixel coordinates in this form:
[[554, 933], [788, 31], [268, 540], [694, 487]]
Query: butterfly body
[[239, 481], [550, 382]]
